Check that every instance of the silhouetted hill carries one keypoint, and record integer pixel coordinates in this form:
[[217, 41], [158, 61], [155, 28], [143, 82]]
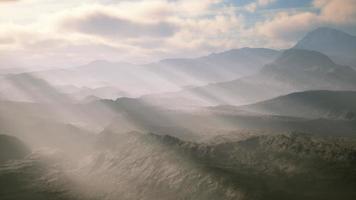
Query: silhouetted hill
[[293, 166], [12, 148]]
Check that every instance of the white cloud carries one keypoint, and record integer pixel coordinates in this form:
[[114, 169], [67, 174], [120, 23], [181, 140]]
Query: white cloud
[[252, 7], [286, 27], [337, 11], [6, 1], [138, 31], [73, 31], [108, 25]]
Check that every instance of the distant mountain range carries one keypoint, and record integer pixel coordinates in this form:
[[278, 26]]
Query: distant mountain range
[[104, 79], [238, 76], [216, 67], [294, 70]]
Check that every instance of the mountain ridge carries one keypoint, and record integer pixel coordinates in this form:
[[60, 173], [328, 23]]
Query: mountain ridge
[[290, 72], [310, 104]]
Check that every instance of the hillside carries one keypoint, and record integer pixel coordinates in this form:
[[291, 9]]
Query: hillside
[[262, 167], [150, 166]]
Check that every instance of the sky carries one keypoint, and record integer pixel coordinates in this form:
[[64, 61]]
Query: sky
[[74, 32]]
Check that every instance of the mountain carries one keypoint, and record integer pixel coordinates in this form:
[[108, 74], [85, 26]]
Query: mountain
[[338, 45], [294, 70], [304, 69], [216, 67], [310, 104]]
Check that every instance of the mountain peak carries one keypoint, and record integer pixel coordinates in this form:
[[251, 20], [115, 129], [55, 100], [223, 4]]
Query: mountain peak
[[99, 62], [302, 52], [306, 58], [329, 41], [245, 50], [325, 33], [107, 63], [327, 30], [12, 148]]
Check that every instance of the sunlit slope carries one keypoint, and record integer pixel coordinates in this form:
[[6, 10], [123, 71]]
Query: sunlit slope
[[135, 166], [265, 167]]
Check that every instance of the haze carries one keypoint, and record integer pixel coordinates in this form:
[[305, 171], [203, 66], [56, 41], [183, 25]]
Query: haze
[[177, 99]]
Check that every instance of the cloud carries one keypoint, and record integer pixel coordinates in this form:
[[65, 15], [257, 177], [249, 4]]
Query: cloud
[[107, 25], [147, 30], [5, 40], [157, 29], [337, 11], [138, 31], [252, 7], [289, 26]]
